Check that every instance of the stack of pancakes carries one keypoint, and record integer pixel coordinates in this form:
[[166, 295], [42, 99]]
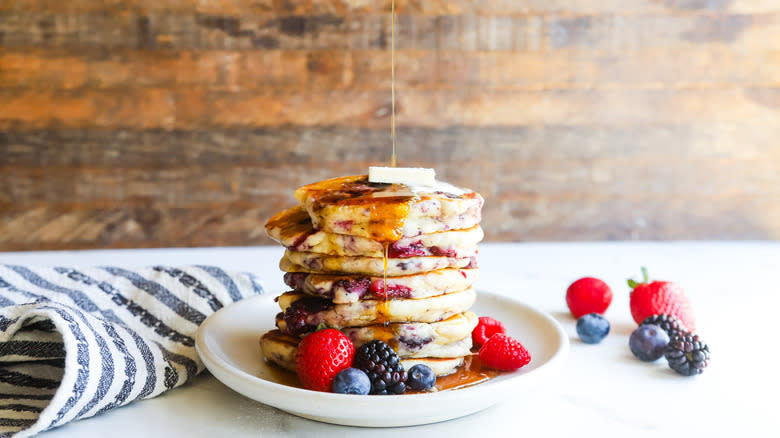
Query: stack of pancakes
[[379, 261]]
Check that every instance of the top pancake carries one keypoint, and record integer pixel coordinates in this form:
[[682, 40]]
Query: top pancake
[[387, 212]]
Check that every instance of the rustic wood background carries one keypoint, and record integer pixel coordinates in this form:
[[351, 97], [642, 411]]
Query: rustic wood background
[[135, 123]]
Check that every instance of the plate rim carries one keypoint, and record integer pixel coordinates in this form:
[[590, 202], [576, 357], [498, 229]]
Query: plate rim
[[219, 367]]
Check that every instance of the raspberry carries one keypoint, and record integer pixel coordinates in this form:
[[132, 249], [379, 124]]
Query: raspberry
[[321, 356], [394, 291], [588, 295], [504, 353], [486, 328]]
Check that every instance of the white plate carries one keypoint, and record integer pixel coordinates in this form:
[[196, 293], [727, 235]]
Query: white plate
[[228, 343]]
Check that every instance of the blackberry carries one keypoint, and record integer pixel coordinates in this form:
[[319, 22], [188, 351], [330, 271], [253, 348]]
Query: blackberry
[[296, 316], [668, 323], [383, 367], [687, 354]]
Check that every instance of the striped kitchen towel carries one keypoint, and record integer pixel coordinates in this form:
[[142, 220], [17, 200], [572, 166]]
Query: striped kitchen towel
[[75, 342]]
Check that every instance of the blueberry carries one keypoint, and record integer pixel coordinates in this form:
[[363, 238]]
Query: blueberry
[[352, 381], [648, 342], [421, 377], [592, 328]]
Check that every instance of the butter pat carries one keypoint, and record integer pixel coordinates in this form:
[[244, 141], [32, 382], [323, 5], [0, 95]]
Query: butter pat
[[410, 176]]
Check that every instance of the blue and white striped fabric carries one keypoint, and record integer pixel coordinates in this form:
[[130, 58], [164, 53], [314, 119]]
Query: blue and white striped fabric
[[75, 342]]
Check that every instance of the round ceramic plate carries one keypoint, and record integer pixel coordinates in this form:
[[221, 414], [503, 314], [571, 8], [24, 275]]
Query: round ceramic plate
[[228, 343]]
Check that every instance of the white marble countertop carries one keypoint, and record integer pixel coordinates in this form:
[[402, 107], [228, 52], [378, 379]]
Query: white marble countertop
[[602, 389]]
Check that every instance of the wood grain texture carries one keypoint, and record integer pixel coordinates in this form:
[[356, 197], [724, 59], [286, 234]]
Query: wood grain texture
[[430, 7], [21, 29], [190, 108], [295, 71], [141, 123]]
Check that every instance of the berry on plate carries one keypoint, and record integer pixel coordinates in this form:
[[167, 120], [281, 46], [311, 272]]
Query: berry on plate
[[660, 297], [486, 328], [592, 328], [588, 295], [648, 342], [504, 353], [352, 381], [321, 356], [421, 377], [383, 367]]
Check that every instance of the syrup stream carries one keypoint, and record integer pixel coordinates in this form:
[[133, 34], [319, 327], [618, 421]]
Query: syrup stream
[[392, 79]]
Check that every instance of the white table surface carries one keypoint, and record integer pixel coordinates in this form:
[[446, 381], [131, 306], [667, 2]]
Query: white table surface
[[601, 391]]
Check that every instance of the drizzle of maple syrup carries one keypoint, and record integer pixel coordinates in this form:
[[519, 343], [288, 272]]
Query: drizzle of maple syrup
[[392, 78]]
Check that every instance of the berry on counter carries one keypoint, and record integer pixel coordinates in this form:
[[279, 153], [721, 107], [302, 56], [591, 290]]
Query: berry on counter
[[687, 354], [592, 328], [486, 328], [421, 377], [504, 353], [383, 367], [352, 381], [648, 342], [668, 323], [588, 295], [321, 356], [660, 297]]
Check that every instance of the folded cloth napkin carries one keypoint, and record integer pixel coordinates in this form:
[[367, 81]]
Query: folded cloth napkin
[[75, 342]]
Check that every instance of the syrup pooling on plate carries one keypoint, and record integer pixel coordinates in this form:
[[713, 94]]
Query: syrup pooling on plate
[[471, 373]]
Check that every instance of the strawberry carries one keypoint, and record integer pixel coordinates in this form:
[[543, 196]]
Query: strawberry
[[486, 328], [321, 355], [504, 353], [588, 295], [660, 297]]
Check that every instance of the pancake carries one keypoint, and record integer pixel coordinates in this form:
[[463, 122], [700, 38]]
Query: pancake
[[303, 313], [280, 349], [351, 288], [293, 229], [441, 366], [448, 338], [387, 212], [296, 261]]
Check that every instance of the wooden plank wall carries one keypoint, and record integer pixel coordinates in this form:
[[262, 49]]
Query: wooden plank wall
[[135, 123]]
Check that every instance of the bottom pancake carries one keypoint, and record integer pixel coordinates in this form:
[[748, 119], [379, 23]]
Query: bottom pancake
[[280, 349]]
